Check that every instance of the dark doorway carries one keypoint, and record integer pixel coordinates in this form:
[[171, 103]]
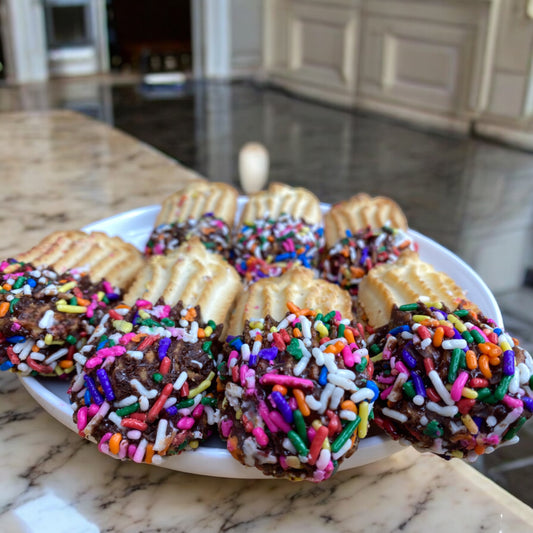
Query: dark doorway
[[150, 35]]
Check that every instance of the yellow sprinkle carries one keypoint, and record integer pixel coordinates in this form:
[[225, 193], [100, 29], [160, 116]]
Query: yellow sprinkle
[[326, 445], [194, 444], [421, 318], [273, 329], [457, 323], [458, 454], [203, 386], [445, 323], [208, 331], [293, 461], [238, 414], [316, 424], [377, 357], [436, 305], [48, 339], [143, 314], [61, 302], [123, 325], [471, 394], [504, 345], [470, 424], [322, 330], [67, 286], [71, 308], [100, 295], [362, 428]]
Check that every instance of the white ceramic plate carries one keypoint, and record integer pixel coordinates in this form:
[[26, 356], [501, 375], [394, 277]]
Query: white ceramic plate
[[212, 458]]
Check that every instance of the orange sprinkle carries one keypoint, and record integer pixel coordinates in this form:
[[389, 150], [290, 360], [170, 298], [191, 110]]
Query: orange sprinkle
[[516, 341], [471, 359], [296, 333], [149, 453], [357, 272], [348, 405], [66, 364], [483, 362], [431, 322], [191, 314], [220, 386], [300, 400], [438, 336], [83, 301], [348, 334], [122, 306], [34, 348], [293, 308], [280, 388], [479, 449], [494, 361], [6, 287], [114, 443], [201, 333], [4, 308]]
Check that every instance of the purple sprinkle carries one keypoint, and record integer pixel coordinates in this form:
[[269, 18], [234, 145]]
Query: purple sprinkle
[[364, 255], [408, 358], [253, 360], [456, 334], [508, 362], [418, 384], [106, 384], [172, 410], [229, 338], [268, 353], [93, 391], [283, 406], [164, 344], [478, 420], [528, 402]]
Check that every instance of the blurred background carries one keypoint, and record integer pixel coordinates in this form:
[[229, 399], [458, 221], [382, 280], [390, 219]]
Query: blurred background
[[427, 101]]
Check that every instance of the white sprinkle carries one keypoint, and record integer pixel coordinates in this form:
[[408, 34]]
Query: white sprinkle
[[117, 420], [319, 356], [329, 361], [514, 384], [449, 411], [306, 327], [323, 459], [525, 374], [491, 421], [23, 367], [454, 343], [311, 401], [345, 414], [442, 391], [55, 356], [418, 400], [256, 347], [81, 359], [47, 319], [182, 378], [288, 445], [37, 356], [144, 404], [425, 343], [135, 354], [160, 439], [233, 390], [325, 396], [26, 349], [424, 420], [245, 352], [345, 373], [346, 384], [197, 363], [134, 434], [128, 400], [336, 398], [142, 389], [302, 364], [406, 335], [170, 402], [513, 416], [362, 395], [40, 343], [347, 445], [396, 415]]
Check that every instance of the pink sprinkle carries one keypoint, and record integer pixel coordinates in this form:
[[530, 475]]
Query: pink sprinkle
[[311, 432], [385, 394], [90, 309], [158, 249], [260, 436], [131, 450], [293, 404], [165, 312], [134, 434], [126, 338], [113, 351], [107, 287], [385, 379], [242, 374], [225, 427], [458, 386], [401, 368], [123, 449], [265, 415], [138, 456], [338, 316], [288, 381], [513, 403], [93, 361], [93, 409], [493, 439], [198, 411], [348, 356], [283, 462], [4, 265], [82, 418], [481, 333], [276, 417], [143, 303], [15, 326], [232, 355], [103, 441], [186, 422]]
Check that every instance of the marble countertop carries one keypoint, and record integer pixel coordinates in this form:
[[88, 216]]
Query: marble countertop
[[61, 170]]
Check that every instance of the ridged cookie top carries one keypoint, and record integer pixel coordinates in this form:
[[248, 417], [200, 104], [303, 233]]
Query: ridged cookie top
[[280, 198], [192, 275], [103, 256], [408, 280], [196, 199], [359, 212], [270, 296]]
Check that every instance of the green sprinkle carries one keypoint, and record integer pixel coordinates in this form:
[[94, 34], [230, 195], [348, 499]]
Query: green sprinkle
[[454, 365], [515, 429], [362, 365], [125, 411], [71, 339], [328, 317], [206, 347], [149, 322], [298, 443], [408, 307], [211, 402], [167, 322], [433, 430], [467, 336], [294, 349], [462, 362], [212, 324], [483, 393], [19, 282], [185, 403], [73, 301], [409, 389], [318, 317], [375, 349], [299, 422], [531, 381], [342, 328], [345, 434], [13, 303], [461, 313], [157, 377], [501, 389], [478, 338]]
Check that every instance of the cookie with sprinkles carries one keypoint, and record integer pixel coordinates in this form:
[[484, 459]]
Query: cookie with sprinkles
[[453, 383], [350, 259], [46, 316], [269, 247], [212, 231], [298, 394], [146, 388]]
